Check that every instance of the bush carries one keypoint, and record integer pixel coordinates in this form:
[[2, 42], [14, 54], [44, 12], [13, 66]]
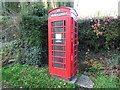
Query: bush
[[34, 36], [33, 56], [28, 36], [99, 34], [9, 53], [34, 30]]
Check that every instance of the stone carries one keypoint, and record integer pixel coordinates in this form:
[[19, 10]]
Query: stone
[[85, 81]]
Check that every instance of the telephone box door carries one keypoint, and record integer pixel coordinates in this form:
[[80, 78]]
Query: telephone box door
[[58, 64]]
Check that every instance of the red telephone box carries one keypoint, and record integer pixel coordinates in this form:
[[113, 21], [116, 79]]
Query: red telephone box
[[63, 42]]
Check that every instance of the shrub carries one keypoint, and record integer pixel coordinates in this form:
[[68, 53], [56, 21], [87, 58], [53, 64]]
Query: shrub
[[33, 56], [34, 36], [9, 53], [29, 35], [34, 30], [98, 34]]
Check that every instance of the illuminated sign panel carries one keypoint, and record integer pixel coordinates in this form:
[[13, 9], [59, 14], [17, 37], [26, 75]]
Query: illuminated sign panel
[[58, 14]]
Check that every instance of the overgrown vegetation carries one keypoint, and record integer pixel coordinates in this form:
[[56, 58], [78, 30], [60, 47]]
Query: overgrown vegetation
[[102, 67], [28, 36], [34, 36], [99, 33], [24, 41]]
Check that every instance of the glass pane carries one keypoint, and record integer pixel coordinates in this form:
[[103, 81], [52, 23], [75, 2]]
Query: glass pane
[[75, 47], [75, 64], [58, 23], [57, 65], [56, 59], [75, 41], [63, 42], [75, 30], [54, 36], [75, 52], [75, 58], [62, 54], [75, 35], [60, 29], [75, 24], [61, 48]]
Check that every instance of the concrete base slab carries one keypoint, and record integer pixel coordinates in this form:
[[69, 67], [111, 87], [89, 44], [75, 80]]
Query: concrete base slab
[[85, 81], [73, 79]]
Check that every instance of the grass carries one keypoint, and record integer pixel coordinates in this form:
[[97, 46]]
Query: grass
[[24, 76], [105, 81]]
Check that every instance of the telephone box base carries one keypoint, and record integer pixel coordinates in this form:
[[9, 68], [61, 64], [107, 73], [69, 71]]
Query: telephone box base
[[71, 79]]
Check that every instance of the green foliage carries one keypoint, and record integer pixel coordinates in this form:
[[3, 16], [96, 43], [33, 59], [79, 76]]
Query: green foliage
[[94, 65], [65, 4], [106, 82], [6, 48], [9, 53], [39, 10], [27, 34], [98, 34], [25, 76], [34, 31], [34, 9], [34, 35], [114, 61], [33, 56], [35, 41], [8, 8]]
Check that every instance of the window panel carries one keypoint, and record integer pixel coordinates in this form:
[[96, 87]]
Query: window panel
[[56, 59], [62, 54], [63, 42], [61, 48], [57, 65], [59, 29], [63, 36]]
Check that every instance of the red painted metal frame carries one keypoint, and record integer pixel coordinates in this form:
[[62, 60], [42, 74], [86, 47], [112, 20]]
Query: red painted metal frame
[[70, 70]]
